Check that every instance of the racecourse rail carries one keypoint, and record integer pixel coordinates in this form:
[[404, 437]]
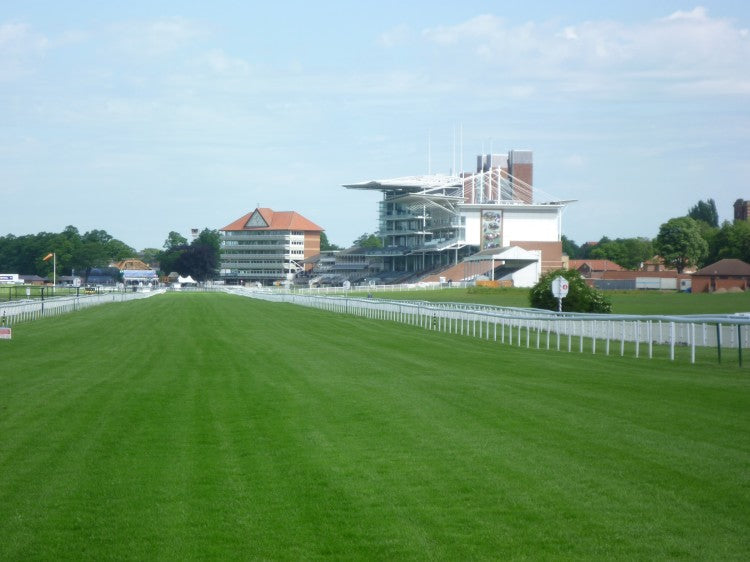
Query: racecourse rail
[[27, 310], [642, 336], [542, 329]]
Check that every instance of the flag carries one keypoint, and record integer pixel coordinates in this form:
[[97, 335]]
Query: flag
[[48, 256]]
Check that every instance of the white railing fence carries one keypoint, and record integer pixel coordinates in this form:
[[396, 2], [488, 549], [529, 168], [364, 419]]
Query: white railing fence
[[641, 336], [15, 312]]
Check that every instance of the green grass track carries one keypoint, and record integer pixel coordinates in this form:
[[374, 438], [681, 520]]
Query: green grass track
[[207, 426]]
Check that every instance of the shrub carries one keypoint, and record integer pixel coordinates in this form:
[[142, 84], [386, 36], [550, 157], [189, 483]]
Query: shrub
[[581, 297]]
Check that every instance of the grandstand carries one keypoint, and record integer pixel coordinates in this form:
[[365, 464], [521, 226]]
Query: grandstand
[[430, 224]]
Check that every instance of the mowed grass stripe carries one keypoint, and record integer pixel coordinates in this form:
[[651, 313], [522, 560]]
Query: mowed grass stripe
[[211, 426]]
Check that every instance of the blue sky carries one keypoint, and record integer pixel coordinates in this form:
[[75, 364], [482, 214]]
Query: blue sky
[[141, 118]]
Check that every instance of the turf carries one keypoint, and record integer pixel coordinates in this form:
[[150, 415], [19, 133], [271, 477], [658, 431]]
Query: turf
[[623, 302], [214, 427]]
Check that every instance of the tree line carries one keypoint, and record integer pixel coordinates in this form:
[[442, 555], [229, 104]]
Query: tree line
[[695, 239], [77, 254]]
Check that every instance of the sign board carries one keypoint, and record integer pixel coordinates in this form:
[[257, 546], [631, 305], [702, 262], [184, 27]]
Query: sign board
[[347, 285], [560, 287], [5, 333]]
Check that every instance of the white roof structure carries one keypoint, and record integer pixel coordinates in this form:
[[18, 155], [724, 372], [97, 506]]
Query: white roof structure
[[445, 186], [411, 183]]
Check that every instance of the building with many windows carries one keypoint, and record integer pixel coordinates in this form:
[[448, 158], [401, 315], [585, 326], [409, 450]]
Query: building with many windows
[[428, 223], [267, 246]]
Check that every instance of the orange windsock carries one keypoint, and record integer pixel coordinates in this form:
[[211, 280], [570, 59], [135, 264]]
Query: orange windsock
[[48, 256]]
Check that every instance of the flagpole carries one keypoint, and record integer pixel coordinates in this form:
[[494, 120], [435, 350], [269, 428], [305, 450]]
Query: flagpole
[[52, 255]]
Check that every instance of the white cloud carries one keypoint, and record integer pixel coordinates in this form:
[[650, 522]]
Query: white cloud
[[398, 35], [18, 39], [158, 37], [574, 161], [217, 61], [697, 13], [20, 46], [673, 53]]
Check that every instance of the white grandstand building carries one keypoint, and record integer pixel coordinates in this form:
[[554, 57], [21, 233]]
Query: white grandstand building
[[491, 223]]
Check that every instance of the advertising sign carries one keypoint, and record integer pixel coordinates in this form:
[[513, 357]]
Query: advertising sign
[[5, 333], [491, 229]]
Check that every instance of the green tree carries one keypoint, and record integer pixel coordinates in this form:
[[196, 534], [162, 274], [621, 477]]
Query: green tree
[[174, 240], [629, 253], [732, 240], [581, 297], [367, 240], [199, 259], [705, 211], [325, 245], [680, 243], [168, 259], [570, 248], [209, 237]]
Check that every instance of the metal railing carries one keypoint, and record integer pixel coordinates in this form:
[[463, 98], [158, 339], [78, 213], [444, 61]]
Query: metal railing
[[395, 288], [641, 336], [24, 311]]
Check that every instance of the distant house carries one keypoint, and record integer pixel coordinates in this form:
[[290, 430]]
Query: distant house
[[132, 264], [594, 269], [33, 280], [654, 264], [136, 272], [606, 274], [727, 275]]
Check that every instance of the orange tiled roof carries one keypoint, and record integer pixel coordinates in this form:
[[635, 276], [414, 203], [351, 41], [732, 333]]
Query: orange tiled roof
[[596, 265], [275, 220], [131, 263]]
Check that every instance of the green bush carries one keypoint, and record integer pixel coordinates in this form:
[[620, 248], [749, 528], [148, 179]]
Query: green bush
[[581, 297]]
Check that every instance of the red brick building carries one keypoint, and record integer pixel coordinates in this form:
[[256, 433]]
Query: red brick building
[[727, 274]]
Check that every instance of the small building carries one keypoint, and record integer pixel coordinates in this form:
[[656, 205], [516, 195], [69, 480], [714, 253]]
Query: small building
[[594, 269], [135, 272], [654, 264], [34, 280], [726, 274], [140, 277], [132, 264]]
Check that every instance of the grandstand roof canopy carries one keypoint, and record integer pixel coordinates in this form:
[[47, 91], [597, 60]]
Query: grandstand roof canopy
[[452, 187], [410, 183]]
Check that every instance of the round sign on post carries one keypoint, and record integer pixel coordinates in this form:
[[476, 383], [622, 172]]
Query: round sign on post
[[559, 290], [560, 287]]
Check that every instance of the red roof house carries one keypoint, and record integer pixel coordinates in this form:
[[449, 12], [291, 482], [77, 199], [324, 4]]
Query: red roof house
[[726, 274]]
